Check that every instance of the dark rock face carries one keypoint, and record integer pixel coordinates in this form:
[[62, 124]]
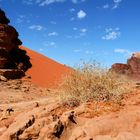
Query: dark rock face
[[12, 73], [120, 68], [3, 18], [131, 68], [11, 56], [134, 63]]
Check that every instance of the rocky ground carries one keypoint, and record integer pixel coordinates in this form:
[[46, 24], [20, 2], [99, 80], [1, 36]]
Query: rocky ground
[[28, 112]]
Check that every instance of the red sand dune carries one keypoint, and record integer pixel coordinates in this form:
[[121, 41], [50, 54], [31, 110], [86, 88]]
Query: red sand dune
[[45, 72]]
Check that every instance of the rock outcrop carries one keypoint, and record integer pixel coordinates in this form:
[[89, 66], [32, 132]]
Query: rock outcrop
[[131, 68], [11, 56]]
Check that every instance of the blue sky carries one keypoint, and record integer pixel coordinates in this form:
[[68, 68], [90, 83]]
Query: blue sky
[[69, 31]]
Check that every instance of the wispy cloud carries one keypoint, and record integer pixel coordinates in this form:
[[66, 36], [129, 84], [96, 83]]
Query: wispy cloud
[[36, 27], [77, 1], [88, 52], [72, 10], [83, 30], [53, 22], [111, 34], [81, 14], [122, 51], [75, 28], [77, 50], [106, 6], [28, 2], [48, 2], [22, 18], [72, 19], [50, 44], [116, 3], [53, 34]]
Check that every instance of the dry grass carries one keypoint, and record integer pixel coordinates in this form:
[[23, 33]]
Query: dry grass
[[91, 82]]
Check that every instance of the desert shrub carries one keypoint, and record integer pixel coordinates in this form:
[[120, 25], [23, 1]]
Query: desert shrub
[[91, 82]]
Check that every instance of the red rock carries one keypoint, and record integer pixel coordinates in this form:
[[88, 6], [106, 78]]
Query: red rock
[[11, 56], [131, 68], [134, 63], [120, 68]]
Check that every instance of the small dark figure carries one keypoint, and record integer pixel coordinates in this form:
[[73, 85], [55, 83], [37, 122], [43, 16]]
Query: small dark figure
[[9, 110], [36, 104], [72, 117], [58, 129]]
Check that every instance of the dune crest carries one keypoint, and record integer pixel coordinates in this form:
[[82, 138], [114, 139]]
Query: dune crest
[[45, 72]]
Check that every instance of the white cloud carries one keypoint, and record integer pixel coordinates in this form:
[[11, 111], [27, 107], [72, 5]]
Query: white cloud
[[116, 3], [72, 19], [84, 30], [22, 18], [88, 52], [122, 51], [50, 44], [81, 14], [41, 2], [77, 1], [75, 29], [41, 50], [28, 2], [72, 10], [53, 34], [76, 51], [36, 27], [106, 6], [111, 34], [47, 2], [74, 1], [53, 22]]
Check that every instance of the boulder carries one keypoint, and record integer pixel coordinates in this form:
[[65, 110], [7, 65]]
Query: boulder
[[11, 73]]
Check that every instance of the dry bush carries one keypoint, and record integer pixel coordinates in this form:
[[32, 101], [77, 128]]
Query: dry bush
[[92, 82]]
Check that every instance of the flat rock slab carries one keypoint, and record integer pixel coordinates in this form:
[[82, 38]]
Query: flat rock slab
[[12, 73]]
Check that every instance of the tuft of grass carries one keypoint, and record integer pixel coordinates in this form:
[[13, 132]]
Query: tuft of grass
[[91, 82]]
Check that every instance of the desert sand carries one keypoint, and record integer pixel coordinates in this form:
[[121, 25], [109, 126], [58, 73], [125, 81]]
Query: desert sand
[[38, 114], [45, 72]]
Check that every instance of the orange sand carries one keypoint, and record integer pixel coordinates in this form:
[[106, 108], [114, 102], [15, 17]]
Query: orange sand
[[45, 72]]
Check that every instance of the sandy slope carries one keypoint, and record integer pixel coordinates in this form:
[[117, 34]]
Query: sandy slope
[[44, 118], [45, 72]]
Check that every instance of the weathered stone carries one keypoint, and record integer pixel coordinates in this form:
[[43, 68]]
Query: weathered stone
[[11, 56], [12, 73], [2, 78], [120, 68], [134, 63], [131, 68], [3, 18]]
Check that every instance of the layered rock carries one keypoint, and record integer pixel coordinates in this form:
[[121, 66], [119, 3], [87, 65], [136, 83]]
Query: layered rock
[[11, 56], [132, 67]]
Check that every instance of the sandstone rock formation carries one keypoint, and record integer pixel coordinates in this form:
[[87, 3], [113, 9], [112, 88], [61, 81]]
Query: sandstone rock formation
[[11, 56], [131, 68]]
